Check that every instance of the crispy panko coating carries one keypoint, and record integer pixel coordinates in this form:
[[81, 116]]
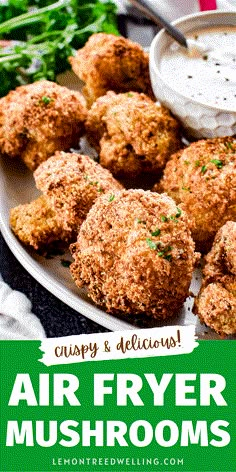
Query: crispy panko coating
[[203, 179], [221, 260], [135, 254], [36, 224], [109, 62], [38, 119], [216, 302], [73, 182], [133, 134]]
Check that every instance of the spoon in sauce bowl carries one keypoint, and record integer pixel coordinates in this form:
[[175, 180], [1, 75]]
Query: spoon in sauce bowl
[[194, 48]]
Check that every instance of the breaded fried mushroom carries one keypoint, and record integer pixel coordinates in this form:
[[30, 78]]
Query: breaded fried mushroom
[[73, 182], [36, 224], [203, 179], [109, 62], [216, 302], [133, 134], [38, 119], [135, 254]]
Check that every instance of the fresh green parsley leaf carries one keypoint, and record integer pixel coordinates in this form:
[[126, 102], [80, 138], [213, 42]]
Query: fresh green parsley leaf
[[47, 33]]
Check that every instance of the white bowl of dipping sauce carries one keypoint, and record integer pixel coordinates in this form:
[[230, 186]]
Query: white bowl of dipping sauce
[[200, 91]]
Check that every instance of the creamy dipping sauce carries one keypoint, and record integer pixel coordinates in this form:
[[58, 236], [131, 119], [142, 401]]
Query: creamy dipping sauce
[[209, 78]]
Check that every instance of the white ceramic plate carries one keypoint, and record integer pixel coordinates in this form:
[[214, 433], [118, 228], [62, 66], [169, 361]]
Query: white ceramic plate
[[16, 187]]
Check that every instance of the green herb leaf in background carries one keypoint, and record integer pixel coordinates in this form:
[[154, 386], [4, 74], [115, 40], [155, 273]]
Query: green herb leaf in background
[[43, 34]]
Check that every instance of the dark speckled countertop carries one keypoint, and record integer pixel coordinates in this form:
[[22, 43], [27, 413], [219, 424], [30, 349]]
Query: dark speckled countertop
[[57, 318]]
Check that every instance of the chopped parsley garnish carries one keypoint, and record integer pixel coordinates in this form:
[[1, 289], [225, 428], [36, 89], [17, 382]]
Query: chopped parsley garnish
[[186, 163], [65, 263], [129, 94], [172, 217], [168, 257], [186, 188], [46, 100], [229, 146], [179, 213], [111, 197], [94, 184], [164, 218], [140, 221], [218, 163], [203, 169], [163, 252], [151, 244], [197, 163], [156, 232]]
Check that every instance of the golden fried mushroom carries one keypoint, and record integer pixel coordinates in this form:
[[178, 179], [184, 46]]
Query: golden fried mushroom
[[38, 119], [216, 302], [135, 254], [203, 179], [73, 182], [133, 134], [216, 307], [221, 260], [36, 224], [109, 62]]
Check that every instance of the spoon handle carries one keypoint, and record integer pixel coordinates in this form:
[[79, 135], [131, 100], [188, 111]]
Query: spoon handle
[[152, 13]]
